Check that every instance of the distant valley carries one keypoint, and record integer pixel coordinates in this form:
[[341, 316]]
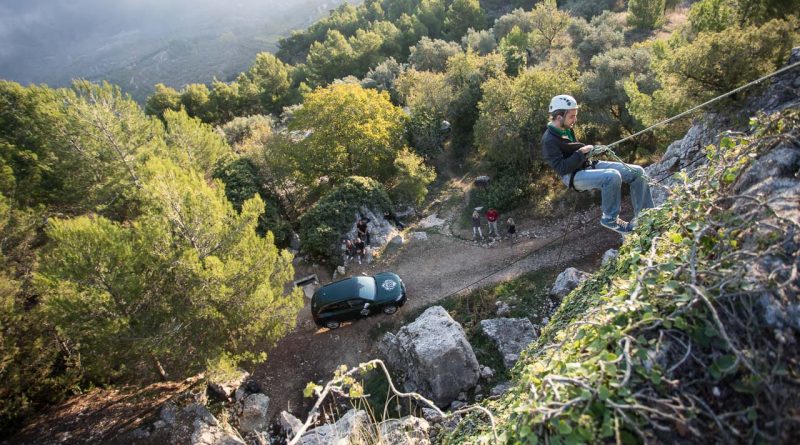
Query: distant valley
[[170, 46]]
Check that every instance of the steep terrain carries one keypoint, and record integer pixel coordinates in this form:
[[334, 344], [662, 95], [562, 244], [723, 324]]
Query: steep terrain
[[691, 333]]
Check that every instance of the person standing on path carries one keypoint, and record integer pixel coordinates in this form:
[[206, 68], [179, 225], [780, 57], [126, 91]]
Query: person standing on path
[[569, 158], [491, 216], [476, 226], [512, 230]]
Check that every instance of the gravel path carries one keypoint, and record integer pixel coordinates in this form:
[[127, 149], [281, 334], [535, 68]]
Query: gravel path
[[432, 270]]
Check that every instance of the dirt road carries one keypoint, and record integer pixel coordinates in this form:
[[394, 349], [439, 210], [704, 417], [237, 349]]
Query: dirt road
[[432, 270]]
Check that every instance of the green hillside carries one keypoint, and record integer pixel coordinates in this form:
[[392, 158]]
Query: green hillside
[[141, 243]]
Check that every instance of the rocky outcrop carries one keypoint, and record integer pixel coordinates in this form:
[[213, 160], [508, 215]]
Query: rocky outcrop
[[353, 428], [290, 424], [409, 430], [609, 256], [224, 388], [567, 281], [433, 356], [510, 335], [254, 413]]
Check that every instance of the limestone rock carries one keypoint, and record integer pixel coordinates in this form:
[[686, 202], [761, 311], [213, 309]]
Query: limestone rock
[[610, 255], [418, 236], [224, 388], [500, 389], [352, 428], [567, 281], [254, 413], [290, 424], [409, 430], [433, 356], [510, 335]]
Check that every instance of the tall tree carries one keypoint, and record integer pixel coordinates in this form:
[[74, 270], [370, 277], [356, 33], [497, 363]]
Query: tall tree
[[194, 145], [462, 15], [187, 283], [351, 131]]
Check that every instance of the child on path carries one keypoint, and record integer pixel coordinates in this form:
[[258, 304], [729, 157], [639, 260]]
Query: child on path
[[476, 226], [512, 230]]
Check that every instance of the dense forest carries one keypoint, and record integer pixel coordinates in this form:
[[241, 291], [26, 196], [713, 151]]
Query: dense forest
[[145, 243]]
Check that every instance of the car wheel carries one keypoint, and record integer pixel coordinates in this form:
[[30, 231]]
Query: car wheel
[[389, 310], [332, 324]]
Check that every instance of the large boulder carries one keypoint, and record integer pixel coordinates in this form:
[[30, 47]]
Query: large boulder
[[433, 356], [567, 281], [409, 430], [380, 230], [352, 428], [510, 335]]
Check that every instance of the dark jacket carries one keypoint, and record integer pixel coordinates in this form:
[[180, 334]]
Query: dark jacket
[[561, 153]]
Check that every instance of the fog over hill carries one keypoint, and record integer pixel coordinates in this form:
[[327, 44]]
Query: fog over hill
[[137, 43]]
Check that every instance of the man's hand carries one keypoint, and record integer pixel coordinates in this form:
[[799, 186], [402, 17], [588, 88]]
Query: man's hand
[[586, 149]]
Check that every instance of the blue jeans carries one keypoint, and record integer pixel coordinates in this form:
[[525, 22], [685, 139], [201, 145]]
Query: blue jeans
[[608, 177]]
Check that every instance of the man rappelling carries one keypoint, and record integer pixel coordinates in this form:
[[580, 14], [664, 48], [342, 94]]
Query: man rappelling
[[570, 159]]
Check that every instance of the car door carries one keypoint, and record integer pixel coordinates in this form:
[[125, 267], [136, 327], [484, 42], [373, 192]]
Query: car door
[[339, 311], [357, 307]]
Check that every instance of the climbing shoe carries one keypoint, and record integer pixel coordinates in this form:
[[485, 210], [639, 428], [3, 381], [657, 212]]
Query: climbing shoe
[[618, 225]]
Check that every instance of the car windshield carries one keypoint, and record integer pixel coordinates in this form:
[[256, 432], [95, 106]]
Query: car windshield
[[366, 287]]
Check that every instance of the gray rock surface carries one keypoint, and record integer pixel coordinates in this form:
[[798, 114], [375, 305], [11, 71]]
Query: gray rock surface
[[290, 424], [609, 256], [352, 428], [510, 335], [567, 281], [408, 430], [254, 413], [225, 388], [500, 389], [433, 356], [503, 309], [418, 236], [396, 241], [380, 230]]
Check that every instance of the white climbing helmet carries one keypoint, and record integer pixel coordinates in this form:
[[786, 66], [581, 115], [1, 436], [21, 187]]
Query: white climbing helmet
[[563, 102]]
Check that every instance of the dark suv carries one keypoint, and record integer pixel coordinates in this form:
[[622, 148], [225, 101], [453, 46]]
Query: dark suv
[[357, 297]]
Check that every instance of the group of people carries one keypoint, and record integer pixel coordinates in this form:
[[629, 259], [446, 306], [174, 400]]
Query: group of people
[[492, 216], [357, 248]]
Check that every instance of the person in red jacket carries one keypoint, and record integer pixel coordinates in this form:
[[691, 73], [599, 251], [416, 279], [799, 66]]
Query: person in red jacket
[[492, 216]]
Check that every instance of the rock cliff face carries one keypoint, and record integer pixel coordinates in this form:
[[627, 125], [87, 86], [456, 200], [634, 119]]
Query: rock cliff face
[[688, 154]]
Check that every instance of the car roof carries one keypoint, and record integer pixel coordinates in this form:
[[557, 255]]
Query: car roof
[[344, 290]]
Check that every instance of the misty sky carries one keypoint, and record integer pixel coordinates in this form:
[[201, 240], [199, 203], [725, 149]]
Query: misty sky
[[33, 31]]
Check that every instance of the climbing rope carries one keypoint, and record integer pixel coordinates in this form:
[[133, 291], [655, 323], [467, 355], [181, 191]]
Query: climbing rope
[[607, 149]]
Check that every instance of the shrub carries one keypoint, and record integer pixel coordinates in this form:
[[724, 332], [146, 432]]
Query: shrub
[[506, 192], [646, 14], [321, 227]]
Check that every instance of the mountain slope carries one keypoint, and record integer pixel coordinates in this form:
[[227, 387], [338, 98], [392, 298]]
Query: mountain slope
[[691, 332]]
